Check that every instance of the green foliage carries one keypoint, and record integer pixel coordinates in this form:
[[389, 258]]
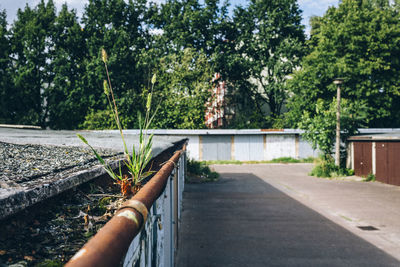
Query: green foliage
[[320, 125], [31, 51], [116, 26], [268, 47], [55, 60], [358, 40], [234, 162], [325, 167], [277, 160], [138, 161], [183, 89], [99, 120], [285, 160], [192, 24], [50, 263], [370, 178], [5, 75], [66, 96], [200, 169]]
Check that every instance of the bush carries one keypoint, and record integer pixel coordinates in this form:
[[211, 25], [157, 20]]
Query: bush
[[370, 178], [201, 170], [325, 167]]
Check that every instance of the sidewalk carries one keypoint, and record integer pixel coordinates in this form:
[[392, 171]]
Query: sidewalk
[[276, 215]]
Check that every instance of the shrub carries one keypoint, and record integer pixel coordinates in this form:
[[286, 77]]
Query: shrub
[[370, 178], [201, 170], [325, 167]]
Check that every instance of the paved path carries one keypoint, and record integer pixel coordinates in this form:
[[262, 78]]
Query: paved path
[[276, 215]]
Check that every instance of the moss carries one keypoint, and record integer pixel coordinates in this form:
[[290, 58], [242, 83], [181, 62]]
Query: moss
[[277, 160], [50, 263]]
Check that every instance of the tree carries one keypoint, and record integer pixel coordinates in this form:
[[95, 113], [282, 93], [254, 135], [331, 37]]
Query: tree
[[119, 28], [320, 132], [192, 24], [182, 89], [320, 125], [268, 47], [67, 99], [31, 52], [359, 41], [5, 75]]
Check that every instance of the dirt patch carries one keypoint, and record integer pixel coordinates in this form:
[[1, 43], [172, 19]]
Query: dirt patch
[[50, 232]]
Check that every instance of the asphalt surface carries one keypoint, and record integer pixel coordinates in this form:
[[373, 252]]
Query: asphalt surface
[[276, 215]]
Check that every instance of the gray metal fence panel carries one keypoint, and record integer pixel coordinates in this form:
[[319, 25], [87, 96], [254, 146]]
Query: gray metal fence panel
[[249, 147], [305, 149], [216, 147]]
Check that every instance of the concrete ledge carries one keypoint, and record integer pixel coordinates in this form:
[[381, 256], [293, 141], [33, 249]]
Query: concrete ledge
[[13, 200], [20, 126], [16, 196]]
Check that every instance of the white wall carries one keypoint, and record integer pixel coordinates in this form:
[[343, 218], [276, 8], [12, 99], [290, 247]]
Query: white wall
[[279, 146], [246, 147]]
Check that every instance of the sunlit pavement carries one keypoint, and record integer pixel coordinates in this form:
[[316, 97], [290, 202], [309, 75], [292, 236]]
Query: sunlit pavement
[[277, 215]]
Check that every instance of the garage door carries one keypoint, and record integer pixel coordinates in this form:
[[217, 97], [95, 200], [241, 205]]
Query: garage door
[[362, 158]]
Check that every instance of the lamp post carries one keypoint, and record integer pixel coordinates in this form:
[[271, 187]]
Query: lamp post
[[338, 82]]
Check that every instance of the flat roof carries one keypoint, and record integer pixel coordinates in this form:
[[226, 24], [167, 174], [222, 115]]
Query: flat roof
[[393, 136], [38, 164]]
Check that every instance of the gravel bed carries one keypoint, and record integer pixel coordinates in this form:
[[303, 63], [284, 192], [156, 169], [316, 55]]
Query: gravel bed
[[51, 232], [25, 165]]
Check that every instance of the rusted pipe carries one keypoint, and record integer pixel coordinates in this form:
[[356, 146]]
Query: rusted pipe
[[112, 241]]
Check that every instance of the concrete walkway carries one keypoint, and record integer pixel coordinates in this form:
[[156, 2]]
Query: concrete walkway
[[276, 215]]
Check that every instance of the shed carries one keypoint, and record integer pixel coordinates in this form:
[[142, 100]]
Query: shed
[[377, 154]]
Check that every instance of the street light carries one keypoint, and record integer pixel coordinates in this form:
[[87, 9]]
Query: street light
[[338, 82]]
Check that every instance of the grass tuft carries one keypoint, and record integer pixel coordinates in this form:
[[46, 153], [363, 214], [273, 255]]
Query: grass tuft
[[200, 172], [277, 160]]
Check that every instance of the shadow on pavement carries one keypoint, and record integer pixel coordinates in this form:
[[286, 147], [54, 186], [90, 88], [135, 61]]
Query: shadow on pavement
[[241, 220]]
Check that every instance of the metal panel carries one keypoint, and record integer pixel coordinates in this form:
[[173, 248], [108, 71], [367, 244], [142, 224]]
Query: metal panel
[[193, 147], [388, 162], [167, 225], [249, 147], [362, 158], [280, 146], [306, 150], [382, 162], [216, 147], [256, 143], [394, 163]]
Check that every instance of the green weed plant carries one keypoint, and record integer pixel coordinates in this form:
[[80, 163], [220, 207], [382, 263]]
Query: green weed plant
[[138, 161], [370, 178], [201, 169], [325, 167], [277, 160]]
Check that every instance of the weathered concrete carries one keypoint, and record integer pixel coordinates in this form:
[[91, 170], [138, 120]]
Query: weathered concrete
[[20, 196], [98, 139], [276, 215]]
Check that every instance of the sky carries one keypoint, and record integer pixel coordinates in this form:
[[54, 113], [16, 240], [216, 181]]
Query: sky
[[310, 7]]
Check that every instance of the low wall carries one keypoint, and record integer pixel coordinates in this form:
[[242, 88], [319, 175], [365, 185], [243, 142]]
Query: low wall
[[246, 145]]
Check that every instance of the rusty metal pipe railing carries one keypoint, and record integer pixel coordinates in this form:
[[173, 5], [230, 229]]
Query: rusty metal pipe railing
[[112, 241]]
